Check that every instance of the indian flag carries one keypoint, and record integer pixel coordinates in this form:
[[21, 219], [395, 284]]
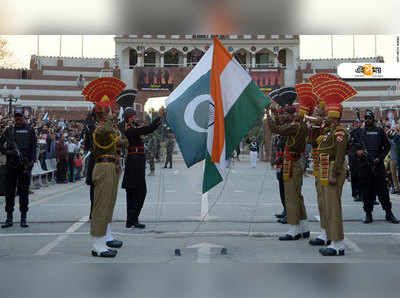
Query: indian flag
[[212, 110], [237, 102]]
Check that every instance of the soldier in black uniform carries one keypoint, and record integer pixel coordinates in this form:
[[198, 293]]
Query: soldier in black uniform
[[354, 168], [134, 180], [281, 142], [371, 146], [88, 145], [18, 143]]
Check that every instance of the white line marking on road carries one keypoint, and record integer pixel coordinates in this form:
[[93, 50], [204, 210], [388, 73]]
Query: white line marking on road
[[170, 190], [46, 249], [204, 251], [176, 172], [352, 245], [239, 190]]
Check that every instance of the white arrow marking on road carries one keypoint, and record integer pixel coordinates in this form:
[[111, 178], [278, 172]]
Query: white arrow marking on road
[[203, 251], [46, 249]]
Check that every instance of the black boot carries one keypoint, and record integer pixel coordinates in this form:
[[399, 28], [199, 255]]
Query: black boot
[[368, 218], [391, 218], [9, 221], [23, 221]]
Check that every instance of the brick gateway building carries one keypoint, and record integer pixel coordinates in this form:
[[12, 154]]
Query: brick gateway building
[[156, 64]]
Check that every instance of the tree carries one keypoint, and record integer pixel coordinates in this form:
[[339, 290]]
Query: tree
[[5, 54]]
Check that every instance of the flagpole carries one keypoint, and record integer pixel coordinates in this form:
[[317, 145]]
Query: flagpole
[[204, 201]]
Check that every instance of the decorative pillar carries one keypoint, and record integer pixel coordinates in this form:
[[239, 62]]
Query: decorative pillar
[[185, 60], [253, 60], [140, 61], [162, 59]]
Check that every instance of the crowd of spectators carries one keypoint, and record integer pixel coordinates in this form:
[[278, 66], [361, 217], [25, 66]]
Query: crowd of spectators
[[57, 139]]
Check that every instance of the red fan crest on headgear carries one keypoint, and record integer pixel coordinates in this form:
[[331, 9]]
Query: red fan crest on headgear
[[103, 91], [334, 93], [308, 100], [320, 78]]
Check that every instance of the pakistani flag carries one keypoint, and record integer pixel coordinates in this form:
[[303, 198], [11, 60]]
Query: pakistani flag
[[188, 110], [211, 125]]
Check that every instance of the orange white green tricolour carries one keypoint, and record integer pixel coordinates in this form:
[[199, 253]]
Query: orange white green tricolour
[[237, 103], [221, 58]]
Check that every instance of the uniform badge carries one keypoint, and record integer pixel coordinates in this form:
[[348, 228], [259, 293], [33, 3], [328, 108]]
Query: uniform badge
[[339, 138]]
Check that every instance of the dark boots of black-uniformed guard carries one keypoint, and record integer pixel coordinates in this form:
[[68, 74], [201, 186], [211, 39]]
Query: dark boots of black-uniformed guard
[[9, 221], [391, 218], [23, 221], [368, 218]]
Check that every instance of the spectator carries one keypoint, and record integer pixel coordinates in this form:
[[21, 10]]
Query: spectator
[[71, 154], [78, 162], [62, 158], [394, 140]]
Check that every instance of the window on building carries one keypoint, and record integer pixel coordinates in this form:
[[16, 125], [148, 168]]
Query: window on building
[[133, 58], [150, 58], [262, 59], [171, 58], [194, 56], [241, 58]]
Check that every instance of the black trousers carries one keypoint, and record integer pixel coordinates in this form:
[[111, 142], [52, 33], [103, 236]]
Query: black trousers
[[91, 191], [168, 160], [61, 174], [355, 179], [17, 182], [71, 166], [134, 202], [372, 184], [279, 176]]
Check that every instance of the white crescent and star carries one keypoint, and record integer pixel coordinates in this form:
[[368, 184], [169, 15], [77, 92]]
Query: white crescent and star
[[191, 109]]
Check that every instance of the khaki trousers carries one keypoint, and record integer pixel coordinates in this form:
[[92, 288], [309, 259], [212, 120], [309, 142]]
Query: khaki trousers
[[320, 202], [294, 200], [393, 169], [105, 178], [332, 202]]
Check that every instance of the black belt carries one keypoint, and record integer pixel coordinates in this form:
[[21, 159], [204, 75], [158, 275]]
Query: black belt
[[107, 159]]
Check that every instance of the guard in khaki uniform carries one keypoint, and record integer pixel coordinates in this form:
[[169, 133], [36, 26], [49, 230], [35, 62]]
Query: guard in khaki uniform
[[332, 148], [107, 170], [296, 132], [307, 104]]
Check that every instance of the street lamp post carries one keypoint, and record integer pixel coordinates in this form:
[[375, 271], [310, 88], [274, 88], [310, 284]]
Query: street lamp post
[[10, 96]]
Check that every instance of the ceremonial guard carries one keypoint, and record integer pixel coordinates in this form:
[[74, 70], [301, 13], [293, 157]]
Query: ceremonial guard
[[332, 148], [134, 180], [296, 131], [371, 145], [107, 170], [90, 126]]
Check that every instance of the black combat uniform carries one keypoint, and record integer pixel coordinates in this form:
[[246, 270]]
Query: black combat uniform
[[354, 169], [19, 145], [88, 147], [372, 169], [280, 149], [134, 180]]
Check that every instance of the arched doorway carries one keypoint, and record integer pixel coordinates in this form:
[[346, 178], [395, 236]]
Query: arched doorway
[[241, 57], [133, 58], [194, 56], [172, 58], [264, 58], [150, 57]]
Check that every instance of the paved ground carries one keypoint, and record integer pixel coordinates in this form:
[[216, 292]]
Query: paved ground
[[240, 219]]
